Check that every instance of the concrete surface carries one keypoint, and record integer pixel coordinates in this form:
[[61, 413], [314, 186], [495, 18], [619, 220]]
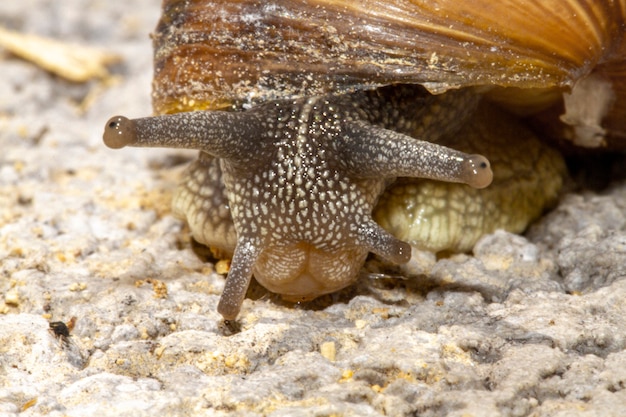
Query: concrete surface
[[529, 326]]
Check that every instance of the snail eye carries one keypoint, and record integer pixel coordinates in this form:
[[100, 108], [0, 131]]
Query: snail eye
[[477, 172], [119, 132]]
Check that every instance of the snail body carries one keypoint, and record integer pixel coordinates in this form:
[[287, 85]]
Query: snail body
[[305, 112], [301, 178]]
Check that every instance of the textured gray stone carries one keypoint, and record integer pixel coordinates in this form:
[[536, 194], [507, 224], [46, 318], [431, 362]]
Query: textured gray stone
[[527, 326]]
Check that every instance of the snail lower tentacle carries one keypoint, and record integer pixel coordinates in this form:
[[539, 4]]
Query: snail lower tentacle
[[238, 279], [377, 240]]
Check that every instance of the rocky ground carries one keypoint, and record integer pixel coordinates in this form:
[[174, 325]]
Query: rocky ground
[[527, 326]]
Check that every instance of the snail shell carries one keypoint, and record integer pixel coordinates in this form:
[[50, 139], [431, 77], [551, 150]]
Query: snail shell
[[326, 99], [222, 54]]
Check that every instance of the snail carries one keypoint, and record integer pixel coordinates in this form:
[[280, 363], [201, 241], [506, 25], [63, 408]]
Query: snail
[[327, 129]]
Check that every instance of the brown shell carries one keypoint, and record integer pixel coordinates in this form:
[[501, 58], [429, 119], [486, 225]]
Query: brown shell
[[227, 54]]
